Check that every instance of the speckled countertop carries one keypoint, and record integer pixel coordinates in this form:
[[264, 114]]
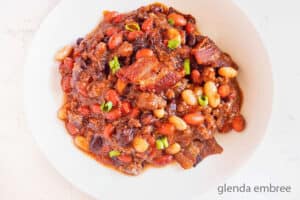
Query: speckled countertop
[[26, 174]]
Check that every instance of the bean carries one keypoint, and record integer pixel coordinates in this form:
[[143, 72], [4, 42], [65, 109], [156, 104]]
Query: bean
[[210, 88], [159, 113], [63, 53], [238, 123], [72, 129], [125, 158], [66, 83], [115, 40], [125, 107], [214, 100], [120, 86], [147, 24], [84, 110], [178, 123], [196, 76], [108, 130], [198, 91], [113, 114], [62, 113], [189, 97], [224, 90], [81, 142], [143, 53], [194, 118], [166, 129], [109, 15], [111, 30], [112, 96], [228, 72], [163, 160], [190, 28], [173, 149], [96, 108], [134, 35], [178, 19], [140, 145]]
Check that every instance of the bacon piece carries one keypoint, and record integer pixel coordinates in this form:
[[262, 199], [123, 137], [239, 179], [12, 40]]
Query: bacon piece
[[207, 53], [150, 74]]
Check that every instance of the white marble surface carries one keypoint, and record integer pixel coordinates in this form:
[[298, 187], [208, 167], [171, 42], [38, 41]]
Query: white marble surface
[[26, 174]]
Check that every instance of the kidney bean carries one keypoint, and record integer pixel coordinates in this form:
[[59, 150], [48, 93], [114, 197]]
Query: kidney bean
[[224, 90], [112, 95], [196, 76], [84, 110], [178, 19], [144, 53], [134, 113], [238, 123], [115, 40], [163, 160], [194, 118], [96, 143], [191, 40], [66, 83], [134, 35], [72, 129], [111, 30], [190, 28], [166, 129], [147, 24], [125, 107], [108, 130], [95, 108], [113, 114]]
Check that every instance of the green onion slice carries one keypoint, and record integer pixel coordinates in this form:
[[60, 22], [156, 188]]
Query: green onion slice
[[203, 100], [171, 21], [106, 107], [114, 64], [114, 153], [187, 66], [132, 26], [173, 44]]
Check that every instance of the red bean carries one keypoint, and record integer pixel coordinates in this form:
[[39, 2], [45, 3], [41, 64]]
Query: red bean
[[125, 108], [66, 83], [163, 160], [115, 40], [125, 158], [134, 35], [148, 24], [72, 129], [194, 118], [196, 76], [134, 113], [112, 95], [190, 28], [108, 130], [143, 53], [111, 30], [113, 114], [166, 129], [178, 19], [84, 110], [238, 123], [224, 90], [96, 108]]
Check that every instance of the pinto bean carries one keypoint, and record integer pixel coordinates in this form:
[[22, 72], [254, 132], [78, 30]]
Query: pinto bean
[[115, 40]]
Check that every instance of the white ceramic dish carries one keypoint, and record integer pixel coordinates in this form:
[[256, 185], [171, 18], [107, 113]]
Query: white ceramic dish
[[224, 23]]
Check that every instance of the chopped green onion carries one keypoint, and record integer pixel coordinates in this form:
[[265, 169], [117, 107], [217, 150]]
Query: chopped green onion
[[106, 107], [173, 44], [203, 100], [114, 153], [159, 144], [132, 26], [187, 66], [165, 142], [171, 21], [114, 64], [162, 143]]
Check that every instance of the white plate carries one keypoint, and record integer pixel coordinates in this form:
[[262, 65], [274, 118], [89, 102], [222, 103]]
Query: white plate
[[224, 23]]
